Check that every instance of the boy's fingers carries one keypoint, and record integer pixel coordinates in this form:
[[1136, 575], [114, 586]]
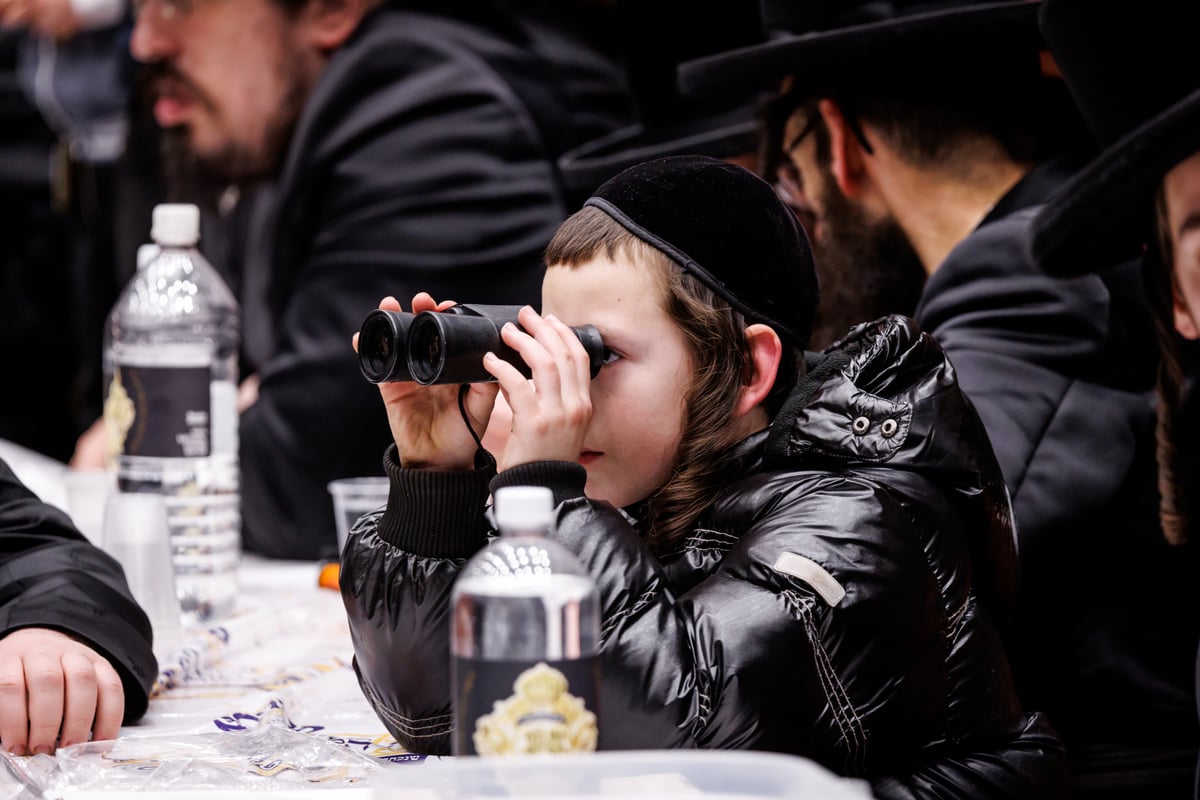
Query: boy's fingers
[[581, 368], [512, 382], [541, 362]]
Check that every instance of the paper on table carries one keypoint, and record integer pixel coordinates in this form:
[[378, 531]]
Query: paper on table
[[288, 663]]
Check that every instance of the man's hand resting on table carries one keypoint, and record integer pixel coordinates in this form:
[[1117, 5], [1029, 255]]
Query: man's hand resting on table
[[55, 689]]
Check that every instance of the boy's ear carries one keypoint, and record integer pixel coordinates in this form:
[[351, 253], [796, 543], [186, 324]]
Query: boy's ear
[[330, 23], [846, 155], [765, 350]]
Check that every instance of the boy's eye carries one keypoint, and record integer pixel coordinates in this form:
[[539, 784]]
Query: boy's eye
[[608, 356]]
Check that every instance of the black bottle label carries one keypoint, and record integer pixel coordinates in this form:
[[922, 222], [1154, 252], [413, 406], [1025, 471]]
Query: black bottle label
[[159, 412], [519, 707]]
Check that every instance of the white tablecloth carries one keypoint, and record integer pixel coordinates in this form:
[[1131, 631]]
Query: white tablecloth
[[266, 699]]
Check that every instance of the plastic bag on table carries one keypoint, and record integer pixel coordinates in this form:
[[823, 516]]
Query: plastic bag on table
[[15, 782], [265, 756], [330, 705]]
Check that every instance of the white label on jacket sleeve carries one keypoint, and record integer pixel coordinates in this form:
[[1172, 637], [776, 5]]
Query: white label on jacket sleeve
[[812, 574]]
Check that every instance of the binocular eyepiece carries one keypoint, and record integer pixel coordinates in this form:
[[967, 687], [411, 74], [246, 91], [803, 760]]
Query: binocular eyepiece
[[447, 346]]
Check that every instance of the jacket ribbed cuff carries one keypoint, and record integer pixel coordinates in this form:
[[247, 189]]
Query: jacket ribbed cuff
[[565, 479], [436, 514]]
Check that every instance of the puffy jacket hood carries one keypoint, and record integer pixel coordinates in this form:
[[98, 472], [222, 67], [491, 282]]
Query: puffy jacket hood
[[886, 395], [883, 394]]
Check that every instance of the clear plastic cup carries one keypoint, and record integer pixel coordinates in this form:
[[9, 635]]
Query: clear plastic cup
[[87, 493], [353, 497], [136, 534]]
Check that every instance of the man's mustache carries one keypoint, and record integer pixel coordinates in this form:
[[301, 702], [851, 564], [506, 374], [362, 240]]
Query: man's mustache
[[162, 74]]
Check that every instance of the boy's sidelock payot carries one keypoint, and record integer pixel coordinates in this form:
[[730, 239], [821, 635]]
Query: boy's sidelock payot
[[525, 639], [170, 406]]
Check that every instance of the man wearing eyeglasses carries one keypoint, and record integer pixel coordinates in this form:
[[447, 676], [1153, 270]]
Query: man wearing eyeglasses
[[407, 145], [929, 134]]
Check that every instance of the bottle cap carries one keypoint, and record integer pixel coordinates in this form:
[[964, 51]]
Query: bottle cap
[[524, 507], [175, 224]]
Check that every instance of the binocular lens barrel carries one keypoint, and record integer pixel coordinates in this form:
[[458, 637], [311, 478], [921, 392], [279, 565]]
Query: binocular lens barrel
[[382, 355], [447, 346]]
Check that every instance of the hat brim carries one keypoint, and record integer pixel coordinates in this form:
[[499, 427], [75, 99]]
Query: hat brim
[[1104, 214], [822, 57], [586, 167]]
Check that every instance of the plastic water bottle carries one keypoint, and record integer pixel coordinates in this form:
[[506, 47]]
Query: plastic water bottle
[[525, 639], [170, 406]]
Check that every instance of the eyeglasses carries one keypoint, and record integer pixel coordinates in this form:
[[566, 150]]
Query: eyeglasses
[[809, 127], [167, 9], [852, 122], [789, 187], [788, 184]]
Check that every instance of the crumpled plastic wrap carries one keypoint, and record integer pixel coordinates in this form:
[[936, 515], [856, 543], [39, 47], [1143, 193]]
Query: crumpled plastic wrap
[[16, 783], [265, 755], [268, 755]]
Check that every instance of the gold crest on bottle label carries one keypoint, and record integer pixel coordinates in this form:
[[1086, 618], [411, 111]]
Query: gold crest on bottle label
[[544, 713]]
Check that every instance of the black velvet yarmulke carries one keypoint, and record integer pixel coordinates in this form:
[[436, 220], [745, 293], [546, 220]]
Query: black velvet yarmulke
[[726, 226]]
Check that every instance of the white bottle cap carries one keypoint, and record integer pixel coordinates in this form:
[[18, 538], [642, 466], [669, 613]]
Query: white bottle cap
[[175, 224], [524, 508]]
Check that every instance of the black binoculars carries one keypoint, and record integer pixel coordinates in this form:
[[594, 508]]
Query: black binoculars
[[447, 346]]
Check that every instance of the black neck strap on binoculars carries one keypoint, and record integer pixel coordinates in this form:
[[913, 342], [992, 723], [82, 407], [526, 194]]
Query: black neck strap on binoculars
[[462, 409]]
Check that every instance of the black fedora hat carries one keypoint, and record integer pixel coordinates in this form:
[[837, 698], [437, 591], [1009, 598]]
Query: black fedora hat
[[654, 44], [1133, 70], [829, 42]]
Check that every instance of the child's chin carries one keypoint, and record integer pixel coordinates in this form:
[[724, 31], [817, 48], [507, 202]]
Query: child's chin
[[602, 491], [596, 488]]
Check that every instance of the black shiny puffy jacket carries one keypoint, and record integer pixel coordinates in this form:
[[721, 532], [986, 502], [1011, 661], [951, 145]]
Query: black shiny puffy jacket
[[838, 599]]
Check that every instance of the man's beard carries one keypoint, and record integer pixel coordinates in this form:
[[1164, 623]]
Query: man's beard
[[867, 268], [199, 176]]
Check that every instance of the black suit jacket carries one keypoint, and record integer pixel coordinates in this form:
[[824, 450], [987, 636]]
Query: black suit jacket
[[1061, 373], [424, 160]]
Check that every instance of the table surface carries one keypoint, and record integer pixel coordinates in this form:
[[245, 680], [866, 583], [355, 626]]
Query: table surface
[[264, 699]]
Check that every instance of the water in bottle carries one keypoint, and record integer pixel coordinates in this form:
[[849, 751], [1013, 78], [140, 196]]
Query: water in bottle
[[525, 639], [170, 406]]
